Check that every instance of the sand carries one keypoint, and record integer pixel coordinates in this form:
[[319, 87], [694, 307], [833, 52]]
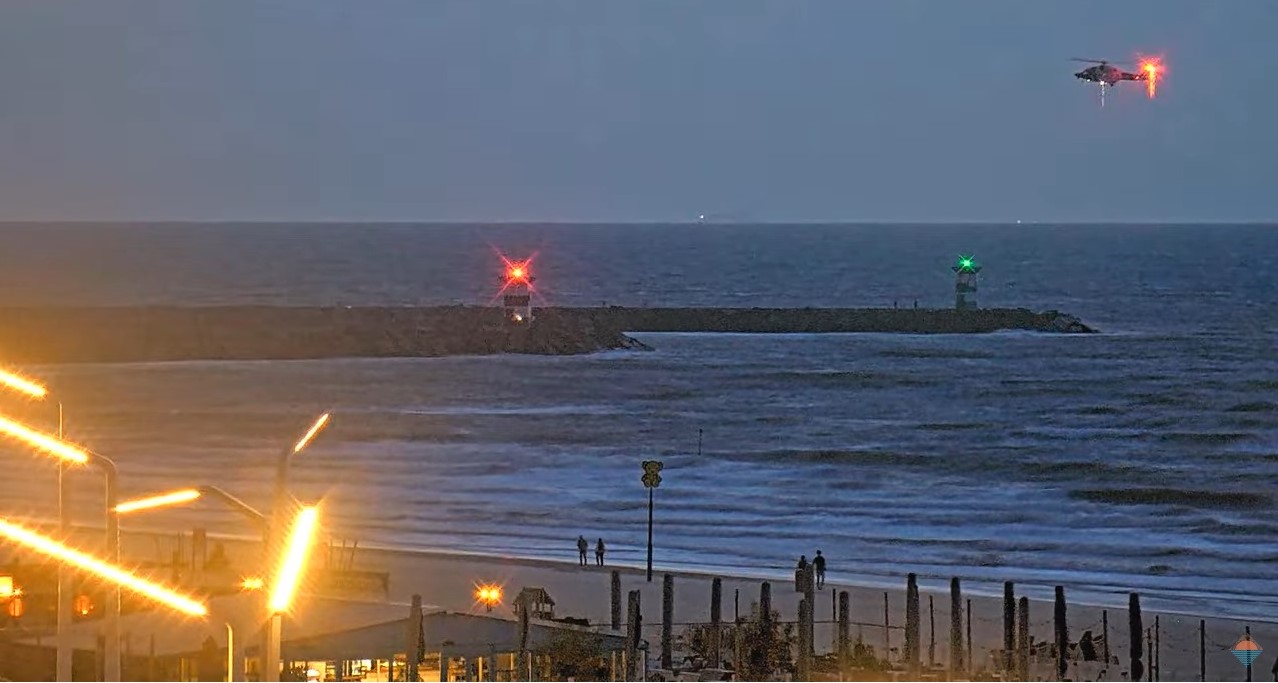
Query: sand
[[448, 581]]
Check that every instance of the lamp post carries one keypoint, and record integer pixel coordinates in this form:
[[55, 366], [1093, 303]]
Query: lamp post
[[15, 382], [281, 501], [181, 496], [71, 454], [651, 480]]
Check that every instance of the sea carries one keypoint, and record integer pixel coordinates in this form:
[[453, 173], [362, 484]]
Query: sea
[[1141, 458]]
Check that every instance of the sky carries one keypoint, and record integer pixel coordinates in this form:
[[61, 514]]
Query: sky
[[607, 110]]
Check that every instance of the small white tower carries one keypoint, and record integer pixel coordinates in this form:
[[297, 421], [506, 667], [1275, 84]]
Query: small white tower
[[965, 283], [517, 291]]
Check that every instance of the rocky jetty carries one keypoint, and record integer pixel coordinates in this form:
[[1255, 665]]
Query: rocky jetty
[[147, 334], [809, 320]]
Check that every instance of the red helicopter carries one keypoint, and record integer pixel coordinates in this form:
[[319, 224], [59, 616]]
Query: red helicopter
[[1104, 74]]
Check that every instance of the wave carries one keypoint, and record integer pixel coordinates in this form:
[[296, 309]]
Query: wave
[[1253, 407], [846, 378], [935, 353], [1169, 496], [1204, 437]]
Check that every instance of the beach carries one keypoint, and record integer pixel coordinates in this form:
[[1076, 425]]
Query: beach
[[448, 581]]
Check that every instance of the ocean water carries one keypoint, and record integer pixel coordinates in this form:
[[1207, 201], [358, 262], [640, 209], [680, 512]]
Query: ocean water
[[1141, 458]]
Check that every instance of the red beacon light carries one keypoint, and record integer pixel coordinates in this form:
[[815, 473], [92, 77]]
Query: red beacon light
[[516, 291]]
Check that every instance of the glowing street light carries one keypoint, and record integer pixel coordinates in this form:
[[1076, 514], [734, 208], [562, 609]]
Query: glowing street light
[[489, 595], [310, 433], [22, 385], [284, 587], [32, 389], [294, 559], [45, 443], [161, 500], [104, 570], [70, 453]]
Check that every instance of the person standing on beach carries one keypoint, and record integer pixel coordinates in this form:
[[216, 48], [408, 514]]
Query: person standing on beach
[[599, 553], [818, 566], [582, 545]]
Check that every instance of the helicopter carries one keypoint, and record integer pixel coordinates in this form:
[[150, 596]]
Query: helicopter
[[1104, 74]]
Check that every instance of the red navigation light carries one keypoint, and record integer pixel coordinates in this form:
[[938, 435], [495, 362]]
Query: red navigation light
[[518, 272], [1153, 69]]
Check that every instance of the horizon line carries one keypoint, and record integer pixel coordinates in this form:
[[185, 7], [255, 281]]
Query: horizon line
[[522, 222]]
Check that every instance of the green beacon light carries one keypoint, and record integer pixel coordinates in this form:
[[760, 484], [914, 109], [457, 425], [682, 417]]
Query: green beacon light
[[965, 283]]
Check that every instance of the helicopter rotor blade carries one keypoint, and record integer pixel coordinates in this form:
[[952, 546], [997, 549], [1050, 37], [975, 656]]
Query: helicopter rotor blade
[[1092, 61]]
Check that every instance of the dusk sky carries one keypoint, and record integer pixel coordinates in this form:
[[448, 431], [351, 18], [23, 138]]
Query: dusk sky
[[848, 110]]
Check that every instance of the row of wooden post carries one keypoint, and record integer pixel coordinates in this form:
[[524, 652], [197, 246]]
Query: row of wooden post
[[1144, 643]]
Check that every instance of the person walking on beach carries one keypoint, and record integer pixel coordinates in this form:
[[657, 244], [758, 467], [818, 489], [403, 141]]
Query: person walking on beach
[[799, 570], [818, 566], [599, 553], [582, 545]]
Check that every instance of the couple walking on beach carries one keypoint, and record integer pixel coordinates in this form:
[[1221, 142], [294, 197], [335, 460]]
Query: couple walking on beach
[[583, 545], [818, 571]]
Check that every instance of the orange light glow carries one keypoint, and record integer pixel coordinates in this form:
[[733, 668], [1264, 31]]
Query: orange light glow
[[294, 561], [40, 441], [21, 384], [310, 433], [1153, 69], [83, 605], [252, 583], [103, 570], [173, 498], [16, 608], [7, 589], [488, 594]]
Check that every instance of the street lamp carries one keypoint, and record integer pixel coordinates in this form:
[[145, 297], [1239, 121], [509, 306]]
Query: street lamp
[[35, 390], [282, 499], [284, 587], [109, 571], [70, 453], [188, 495], [180, 496], [489, 595]]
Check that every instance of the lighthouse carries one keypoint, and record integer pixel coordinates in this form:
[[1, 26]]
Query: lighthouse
[[965, 283], [517, 290]]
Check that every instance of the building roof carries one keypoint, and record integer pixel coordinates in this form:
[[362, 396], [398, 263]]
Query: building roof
[[325, 629], [456, 634], [176, 634]]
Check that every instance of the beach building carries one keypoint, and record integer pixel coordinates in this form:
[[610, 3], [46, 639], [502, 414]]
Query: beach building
[[331, 639]]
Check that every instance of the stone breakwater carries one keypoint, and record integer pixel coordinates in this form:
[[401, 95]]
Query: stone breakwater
[[149, 334], [810, 320]]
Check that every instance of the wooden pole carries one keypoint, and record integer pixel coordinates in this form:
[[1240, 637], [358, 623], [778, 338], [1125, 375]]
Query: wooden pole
[[844, 633], [956, 629], [1105, 635], [1009, 624], [912, 623], [1202, 649], [1149, 655], [1135, 631], [971, 665], [809, 594], [716, 622], [1157, 662], [887, 633], [632, 636], [667, 621], [804, 668], [1062, 635], [1022, 640], [616, 600], [931, 633]]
